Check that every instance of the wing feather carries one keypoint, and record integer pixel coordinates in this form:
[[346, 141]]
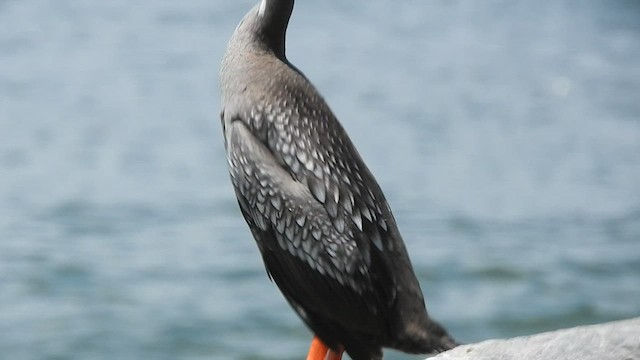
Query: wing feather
[[310, 260]]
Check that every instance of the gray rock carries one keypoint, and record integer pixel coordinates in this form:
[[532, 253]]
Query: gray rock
[[618, 340]]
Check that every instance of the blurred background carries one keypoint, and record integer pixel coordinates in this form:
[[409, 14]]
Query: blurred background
[[506, 135]]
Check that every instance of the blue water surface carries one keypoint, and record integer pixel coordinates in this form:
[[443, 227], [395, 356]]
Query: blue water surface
[[505, 134]]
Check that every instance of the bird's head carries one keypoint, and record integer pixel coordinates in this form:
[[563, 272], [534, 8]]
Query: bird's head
[[267, 24]]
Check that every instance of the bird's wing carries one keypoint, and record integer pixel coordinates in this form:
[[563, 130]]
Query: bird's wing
[[316, 266], [311, 145]]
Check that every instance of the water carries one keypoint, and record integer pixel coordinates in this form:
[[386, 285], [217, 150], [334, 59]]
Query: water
[[506, 136]]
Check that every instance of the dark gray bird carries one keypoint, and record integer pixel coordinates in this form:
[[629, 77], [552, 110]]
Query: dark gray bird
[[325, 231]]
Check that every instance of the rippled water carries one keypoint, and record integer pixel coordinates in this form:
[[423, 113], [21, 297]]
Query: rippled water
[[506, 136]]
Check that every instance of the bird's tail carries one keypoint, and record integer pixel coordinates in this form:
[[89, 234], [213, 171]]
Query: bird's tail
[[429, 339], [438, 339]]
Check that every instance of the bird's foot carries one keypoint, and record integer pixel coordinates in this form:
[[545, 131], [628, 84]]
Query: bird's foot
[[319, 351]]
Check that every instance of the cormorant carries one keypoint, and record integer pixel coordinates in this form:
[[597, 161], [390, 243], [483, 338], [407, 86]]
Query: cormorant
[[325, 231]]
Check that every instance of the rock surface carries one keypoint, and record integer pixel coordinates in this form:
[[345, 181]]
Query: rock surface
[[619, 340]]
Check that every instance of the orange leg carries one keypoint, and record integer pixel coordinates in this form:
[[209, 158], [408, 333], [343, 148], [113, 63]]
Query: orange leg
[[320, 351]]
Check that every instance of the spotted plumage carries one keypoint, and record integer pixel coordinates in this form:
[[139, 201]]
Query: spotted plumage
[[326, 233]]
